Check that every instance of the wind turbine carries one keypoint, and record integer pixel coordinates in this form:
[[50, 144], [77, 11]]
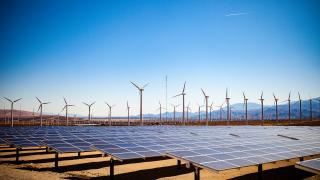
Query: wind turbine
[[160, 108], [89, 107], [210, 111], [289, 106], [228, 107], [245, 101], [300, 107], [66, 108], [276, 102], [188, 108], [310, 106], [174, 111], [110, 109], [128, 109], [182, 94], [199, 111], [12, 102], [40, 108], [140, 92], [261, 99], [206, 101]]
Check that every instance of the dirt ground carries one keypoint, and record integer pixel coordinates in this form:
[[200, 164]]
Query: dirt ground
[[36, 163]]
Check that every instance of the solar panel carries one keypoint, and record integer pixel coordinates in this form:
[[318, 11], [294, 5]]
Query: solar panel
[[312, 165]]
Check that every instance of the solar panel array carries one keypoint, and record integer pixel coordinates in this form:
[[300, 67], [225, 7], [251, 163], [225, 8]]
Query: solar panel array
[[213, 147]]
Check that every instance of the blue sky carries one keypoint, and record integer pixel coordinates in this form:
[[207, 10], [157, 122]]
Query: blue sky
[[90, 51]]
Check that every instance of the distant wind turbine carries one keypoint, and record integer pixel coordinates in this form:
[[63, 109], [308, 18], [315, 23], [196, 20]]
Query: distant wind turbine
[[12, 102], [199, 111], [228, 107], [40, 108], [276, 103], [206, 104], [89, 107], [188, 108], [140, 92], [174, 111], [110, 109], [66, 108], [310, 106], [211, 105], [289, 107], [245, 102], [300, 107], [128, 109], [182, 94], [160, 109], [261, 100]]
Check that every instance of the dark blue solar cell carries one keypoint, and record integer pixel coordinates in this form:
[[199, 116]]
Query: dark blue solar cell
[[183, 153], [221, 156], [219, 165], [240, 162], [115, 150], [200, 159], [150, 153]]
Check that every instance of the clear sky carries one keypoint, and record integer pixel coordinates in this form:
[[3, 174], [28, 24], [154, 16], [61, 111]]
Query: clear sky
[[90, 51]]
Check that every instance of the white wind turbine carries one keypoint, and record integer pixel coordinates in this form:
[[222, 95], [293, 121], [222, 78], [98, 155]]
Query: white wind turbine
[[182, 94], [40, 108], [110, 110], [141, 89], [12, 102], [66, 108]]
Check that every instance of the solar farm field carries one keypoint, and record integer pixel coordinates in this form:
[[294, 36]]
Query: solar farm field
[[158, 151]]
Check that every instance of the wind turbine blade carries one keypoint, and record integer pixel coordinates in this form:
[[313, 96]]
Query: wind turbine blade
[[289, 95], [65, 100], [85, 103], [184, 87], [299, 96], [127, 104], [64, 108], [135, 85], [108, 105], [176, 95], [39, 100], [46, 103], [274, 97], [203, 92], [227, 93], [145, 85], [92, 103], [39, 107], [7, 99], [261, 95], [17, 100]]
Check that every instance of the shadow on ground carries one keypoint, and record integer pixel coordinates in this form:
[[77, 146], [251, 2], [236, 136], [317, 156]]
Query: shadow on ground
[[289, 172]]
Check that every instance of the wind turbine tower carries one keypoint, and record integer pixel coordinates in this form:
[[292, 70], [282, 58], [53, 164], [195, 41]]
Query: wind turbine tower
[[182, 94], [261, 99], [245, 101], [289, 106], [110, 110], [174, 111], [40, 108], [140, 92], [276, 102], [12, 102], [228, 107], [89, 107], [66, 107], [300, 107], [128, 109], [206, 101]]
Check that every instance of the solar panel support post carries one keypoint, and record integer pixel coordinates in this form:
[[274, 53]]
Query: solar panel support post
[[17, 154], [260, 171], [301, 159], [178, 164], [196, 173], [56, 159], [47, 150], [79, 154], [111, 168]]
